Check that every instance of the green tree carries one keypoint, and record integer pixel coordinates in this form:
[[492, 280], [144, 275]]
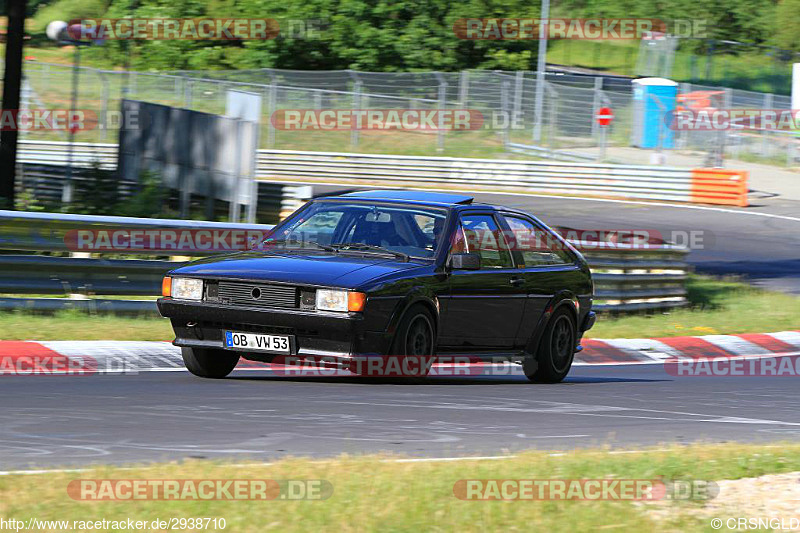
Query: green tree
[[787, 28]]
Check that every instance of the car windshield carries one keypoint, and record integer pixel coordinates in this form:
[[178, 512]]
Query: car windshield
[[396, 229]]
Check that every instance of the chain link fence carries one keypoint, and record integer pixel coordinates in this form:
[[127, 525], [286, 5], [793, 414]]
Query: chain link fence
[[505, 99]]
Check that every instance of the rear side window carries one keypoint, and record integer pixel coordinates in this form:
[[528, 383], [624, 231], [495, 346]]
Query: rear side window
[[537, 246], [483, 236]]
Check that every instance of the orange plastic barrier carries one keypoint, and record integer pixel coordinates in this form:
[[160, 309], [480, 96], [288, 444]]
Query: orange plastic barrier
[[717, 186]]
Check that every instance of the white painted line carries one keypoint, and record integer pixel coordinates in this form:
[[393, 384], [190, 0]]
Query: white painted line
[[449, 459], [37, 472]]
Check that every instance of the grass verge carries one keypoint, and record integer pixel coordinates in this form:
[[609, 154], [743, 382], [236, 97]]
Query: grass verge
[[77, 325], [372, 493], [717, 307]]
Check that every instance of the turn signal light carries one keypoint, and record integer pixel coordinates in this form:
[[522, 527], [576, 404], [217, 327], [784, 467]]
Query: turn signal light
[[356, 301], [166, 287]]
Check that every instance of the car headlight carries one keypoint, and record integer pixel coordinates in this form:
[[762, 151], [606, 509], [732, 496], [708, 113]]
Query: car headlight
[[331, 300], [339, 300], [187, 288]]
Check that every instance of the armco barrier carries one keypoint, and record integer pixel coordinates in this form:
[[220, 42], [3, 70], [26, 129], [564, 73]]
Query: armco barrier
[[46, 232], [582, 179], [643, 182], [627, 277], [630, 278]]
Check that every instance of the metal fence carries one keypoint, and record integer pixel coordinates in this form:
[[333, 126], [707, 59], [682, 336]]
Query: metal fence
[[570, 103], [627, 277]]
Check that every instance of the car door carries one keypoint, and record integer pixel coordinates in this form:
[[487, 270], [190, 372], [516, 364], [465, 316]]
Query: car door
[[543, 262], [485, 306]]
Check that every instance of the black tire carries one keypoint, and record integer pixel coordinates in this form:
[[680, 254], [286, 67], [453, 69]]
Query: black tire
[[209, 363], [556, 350], [416, 334]]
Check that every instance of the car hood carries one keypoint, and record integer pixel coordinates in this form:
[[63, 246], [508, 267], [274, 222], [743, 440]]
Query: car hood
[[335, 270]]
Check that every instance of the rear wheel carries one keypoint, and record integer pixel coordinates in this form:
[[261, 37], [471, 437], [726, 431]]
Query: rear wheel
[[556, 350], [209, 363]]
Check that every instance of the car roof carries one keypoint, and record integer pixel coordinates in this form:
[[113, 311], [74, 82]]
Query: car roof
[[458, 202], [426, 197]]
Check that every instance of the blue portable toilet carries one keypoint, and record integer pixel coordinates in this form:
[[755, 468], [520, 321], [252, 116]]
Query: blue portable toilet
[[653, 106]]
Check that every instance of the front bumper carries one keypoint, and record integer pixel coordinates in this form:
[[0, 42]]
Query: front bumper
[[317, 333]]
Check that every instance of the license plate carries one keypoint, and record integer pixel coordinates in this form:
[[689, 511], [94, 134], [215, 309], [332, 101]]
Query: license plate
[[258, 342]]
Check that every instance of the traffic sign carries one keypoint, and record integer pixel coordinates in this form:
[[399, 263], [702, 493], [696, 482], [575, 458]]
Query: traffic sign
[[604, 116]]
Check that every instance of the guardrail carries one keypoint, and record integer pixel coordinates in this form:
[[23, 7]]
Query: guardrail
[[635, 278], [627, 277], [581, 179], [709, 186], [57, 153]]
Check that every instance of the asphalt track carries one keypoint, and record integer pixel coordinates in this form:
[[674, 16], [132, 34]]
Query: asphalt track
[[761, 242], [63, 421], [50, 421]]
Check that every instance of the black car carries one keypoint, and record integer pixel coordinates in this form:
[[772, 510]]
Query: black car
[[402, 273]]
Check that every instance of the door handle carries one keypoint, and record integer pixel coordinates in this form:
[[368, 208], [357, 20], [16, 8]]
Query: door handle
[[516, 281]]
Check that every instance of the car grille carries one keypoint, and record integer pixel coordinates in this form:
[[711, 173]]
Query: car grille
[[258, 295]]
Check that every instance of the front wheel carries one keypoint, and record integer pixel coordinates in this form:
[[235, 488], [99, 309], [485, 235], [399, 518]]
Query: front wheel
[[209, 363], [556, 350], [416, 339]]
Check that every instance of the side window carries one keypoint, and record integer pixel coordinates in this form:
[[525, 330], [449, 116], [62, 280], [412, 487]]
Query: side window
[[482, 236], [537, 246]]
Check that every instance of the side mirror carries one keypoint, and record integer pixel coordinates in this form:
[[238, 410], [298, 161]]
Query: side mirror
[[471, 261]]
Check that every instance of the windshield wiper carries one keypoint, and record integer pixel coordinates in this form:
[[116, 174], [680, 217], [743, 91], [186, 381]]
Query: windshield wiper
[[360, 246], [290, 245]]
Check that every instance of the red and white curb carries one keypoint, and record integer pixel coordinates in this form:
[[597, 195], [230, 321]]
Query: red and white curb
[[90, 357]]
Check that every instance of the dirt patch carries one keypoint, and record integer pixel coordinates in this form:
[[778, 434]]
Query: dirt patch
[[773, 498]]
